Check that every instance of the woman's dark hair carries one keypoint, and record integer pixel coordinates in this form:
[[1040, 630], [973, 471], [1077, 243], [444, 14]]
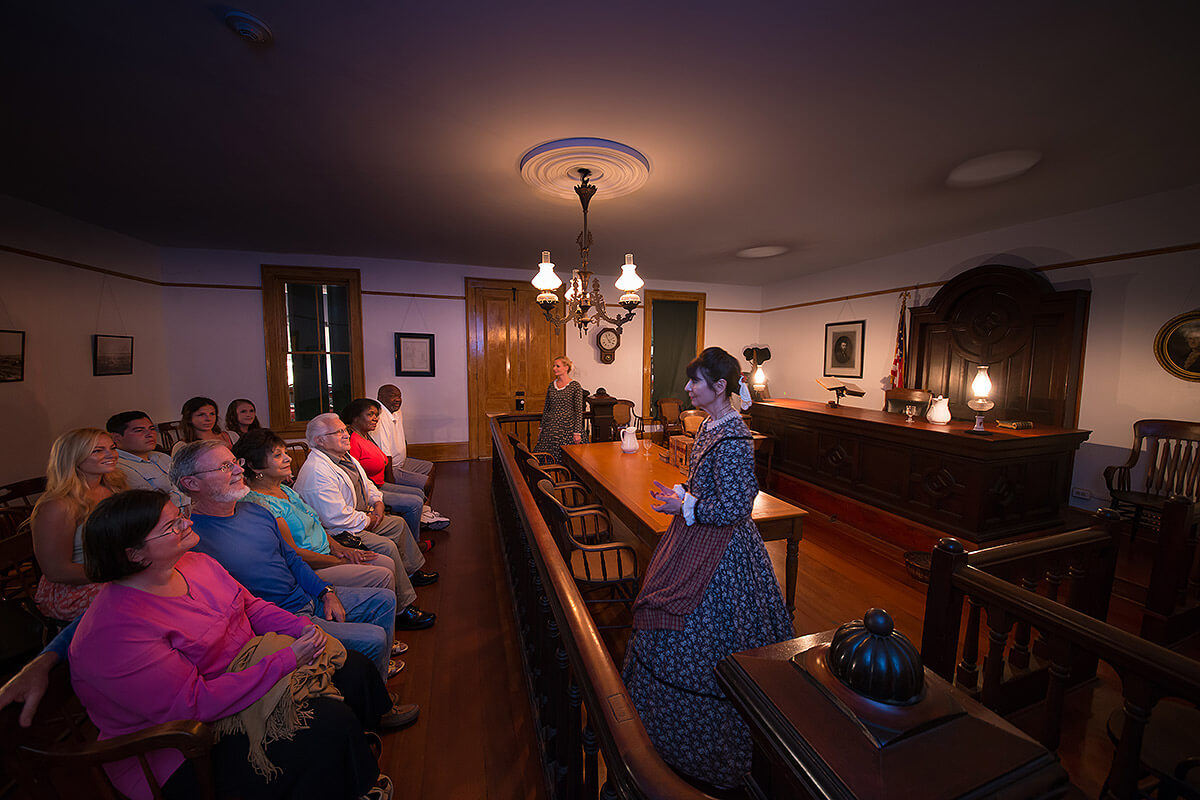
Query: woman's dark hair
[[255, 446], [231, 420], [191, 407], [355, 408], [116, 524], [712, 365]]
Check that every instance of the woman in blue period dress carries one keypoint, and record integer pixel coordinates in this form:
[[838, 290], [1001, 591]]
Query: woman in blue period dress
[[709, 591], [562, 416]]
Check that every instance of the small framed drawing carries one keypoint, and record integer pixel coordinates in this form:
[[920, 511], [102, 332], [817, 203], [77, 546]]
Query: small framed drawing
[[12, 356], [112, 355], [1177, 346], [414, 355], [844, 348]]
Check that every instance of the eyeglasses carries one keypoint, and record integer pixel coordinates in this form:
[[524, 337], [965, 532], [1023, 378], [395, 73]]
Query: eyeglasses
[[228, 466], [177, 526], [338, 432]]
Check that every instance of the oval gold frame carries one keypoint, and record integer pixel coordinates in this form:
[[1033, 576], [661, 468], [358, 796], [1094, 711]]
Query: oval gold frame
[[1160, 345]]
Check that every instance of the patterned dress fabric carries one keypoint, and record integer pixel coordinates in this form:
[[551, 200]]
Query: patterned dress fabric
[[562, 418], [670, 673]]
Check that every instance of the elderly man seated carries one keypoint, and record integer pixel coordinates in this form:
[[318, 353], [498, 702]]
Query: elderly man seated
[[337, 488], [144, 466], [243, 537]]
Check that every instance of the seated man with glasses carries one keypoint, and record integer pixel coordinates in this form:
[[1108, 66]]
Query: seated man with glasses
[[243, 537], [336, 486], [144, 466]]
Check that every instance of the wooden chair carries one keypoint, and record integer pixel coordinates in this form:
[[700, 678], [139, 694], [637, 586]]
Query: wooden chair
[[299, 452], [523, 451], [668, 417], [60, 756], [624, 416], [1172, 467], [169, 435], [691, 420], [590, 528], [22, 494], [894, 400], [610, 567]]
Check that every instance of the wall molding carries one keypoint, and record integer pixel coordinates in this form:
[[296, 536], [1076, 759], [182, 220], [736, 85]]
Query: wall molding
[[441, 451]]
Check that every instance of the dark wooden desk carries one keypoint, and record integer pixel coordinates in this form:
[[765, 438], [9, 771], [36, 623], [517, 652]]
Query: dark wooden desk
[[977, 487], [623, 481]]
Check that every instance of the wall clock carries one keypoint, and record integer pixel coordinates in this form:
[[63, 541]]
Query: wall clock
[[608, 340]]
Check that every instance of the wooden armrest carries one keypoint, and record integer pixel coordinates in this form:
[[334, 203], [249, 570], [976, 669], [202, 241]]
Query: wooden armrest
[[189, 736]]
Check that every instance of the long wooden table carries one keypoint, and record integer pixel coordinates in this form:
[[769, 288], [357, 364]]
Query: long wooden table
[[623, 481]]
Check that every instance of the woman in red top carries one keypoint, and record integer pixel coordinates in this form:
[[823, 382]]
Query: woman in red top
[[361, 416]]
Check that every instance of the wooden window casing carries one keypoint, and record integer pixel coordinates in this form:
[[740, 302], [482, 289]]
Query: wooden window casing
[[279, 350]]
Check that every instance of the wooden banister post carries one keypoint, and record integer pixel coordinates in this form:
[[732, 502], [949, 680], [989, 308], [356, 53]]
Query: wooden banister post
[[943, 608], [1169, 574]]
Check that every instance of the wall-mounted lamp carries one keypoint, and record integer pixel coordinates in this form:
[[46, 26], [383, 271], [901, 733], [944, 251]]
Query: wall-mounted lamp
[[758, 379], [981, 387]]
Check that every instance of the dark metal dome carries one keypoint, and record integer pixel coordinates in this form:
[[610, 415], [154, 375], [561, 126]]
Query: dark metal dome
[[877, 661]]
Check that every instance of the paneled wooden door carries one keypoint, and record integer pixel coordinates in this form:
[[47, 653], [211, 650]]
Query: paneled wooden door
[[509, 349]]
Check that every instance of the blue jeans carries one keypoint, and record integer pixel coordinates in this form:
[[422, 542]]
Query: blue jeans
[[405, 502], [370, 624]]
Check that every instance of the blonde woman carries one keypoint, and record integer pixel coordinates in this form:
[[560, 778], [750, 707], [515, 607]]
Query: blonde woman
[[81, 472], [562, 416]]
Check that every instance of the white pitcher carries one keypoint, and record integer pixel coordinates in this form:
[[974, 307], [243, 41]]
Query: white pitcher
[[939, 410], [629, 440]]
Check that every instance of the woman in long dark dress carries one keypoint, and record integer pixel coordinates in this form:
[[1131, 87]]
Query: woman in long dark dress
[[709, 591], [562, 416]]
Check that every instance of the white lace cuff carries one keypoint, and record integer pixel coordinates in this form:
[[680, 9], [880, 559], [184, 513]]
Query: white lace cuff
[[689, 504]]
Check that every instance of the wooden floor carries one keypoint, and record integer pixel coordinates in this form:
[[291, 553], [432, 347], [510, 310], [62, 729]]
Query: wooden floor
[[475, 739]]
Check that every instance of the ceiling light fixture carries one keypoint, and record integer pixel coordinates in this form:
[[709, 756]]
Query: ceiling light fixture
[[249, 27], [583, 294], [762, 251], [992, 168]]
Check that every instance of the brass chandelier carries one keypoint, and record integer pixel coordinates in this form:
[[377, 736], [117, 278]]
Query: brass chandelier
[[584, 301]]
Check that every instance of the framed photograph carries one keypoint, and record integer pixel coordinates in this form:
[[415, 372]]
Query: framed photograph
[[12, 356], [844, 348], [112, 355], [1177, 346], [414, 355]]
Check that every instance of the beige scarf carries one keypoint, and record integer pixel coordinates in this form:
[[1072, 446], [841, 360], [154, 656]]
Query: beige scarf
[[282, 711]]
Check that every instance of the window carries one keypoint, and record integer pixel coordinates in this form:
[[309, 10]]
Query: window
[[312, 319]]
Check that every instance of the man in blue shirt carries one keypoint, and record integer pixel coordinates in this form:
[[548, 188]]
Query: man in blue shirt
[[145, 467], [244, 538]]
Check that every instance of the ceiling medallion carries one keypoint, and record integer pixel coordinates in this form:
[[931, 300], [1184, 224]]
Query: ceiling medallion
[[554, 167]]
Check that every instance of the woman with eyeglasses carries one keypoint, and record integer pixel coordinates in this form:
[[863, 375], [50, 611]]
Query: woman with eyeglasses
[[171, 635], [198, 420], [81, 472], [241, 417]]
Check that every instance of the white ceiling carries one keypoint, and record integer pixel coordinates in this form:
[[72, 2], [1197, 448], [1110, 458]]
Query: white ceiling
[[395, 129]]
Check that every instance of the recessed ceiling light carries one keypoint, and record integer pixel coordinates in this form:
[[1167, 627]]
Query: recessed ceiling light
[[992, 168], [249, 27], [762, 251]]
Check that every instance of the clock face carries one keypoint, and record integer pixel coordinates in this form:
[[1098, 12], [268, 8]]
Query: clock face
[[608, 339]]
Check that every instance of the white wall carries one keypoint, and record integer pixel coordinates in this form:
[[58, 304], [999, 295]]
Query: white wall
[[60, 307], [1131, 299]]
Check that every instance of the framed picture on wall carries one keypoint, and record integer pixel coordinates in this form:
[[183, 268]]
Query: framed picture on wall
[[1177, 346], [112, 355], [844, 348], [12, 356], [414, 355]]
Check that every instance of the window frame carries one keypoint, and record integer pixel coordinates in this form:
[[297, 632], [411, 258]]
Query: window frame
[[274, 276]]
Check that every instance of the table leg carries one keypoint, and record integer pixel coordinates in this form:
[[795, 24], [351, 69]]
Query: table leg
[[789, 569]]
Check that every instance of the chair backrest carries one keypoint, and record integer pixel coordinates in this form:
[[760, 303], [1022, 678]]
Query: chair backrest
[[169, 435], [299, 452], [19, 572], [22, 494], [622, 412], [669, 409], [1172, 456], [894, 400], [691, 419]]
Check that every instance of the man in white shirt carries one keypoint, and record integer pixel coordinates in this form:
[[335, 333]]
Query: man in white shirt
[[408, 471]]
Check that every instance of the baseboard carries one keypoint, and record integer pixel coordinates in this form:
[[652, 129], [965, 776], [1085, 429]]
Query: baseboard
[[440, 451]]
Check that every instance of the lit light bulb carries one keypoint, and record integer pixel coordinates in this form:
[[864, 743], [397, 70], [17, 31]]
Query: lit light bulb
[[546, 279], [982, 385], [759, 379]]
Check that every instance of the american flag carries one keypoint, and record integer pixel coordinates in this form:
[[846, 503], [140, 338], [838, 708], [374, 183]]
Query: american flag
[[898, 359]]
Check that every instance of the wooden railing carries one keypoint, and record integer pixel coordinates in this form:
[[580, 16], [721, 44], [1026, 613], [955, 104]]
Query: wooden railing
[[1071, 636], [585, 718]]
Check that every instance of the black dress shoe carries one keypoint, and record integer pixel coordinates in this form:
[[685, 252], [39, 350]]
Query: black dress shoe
[[414, 619], [423, 578]]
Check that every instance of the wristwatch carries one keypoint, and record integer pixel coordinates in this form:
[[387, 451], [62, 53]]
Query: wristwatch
[[327, 590]]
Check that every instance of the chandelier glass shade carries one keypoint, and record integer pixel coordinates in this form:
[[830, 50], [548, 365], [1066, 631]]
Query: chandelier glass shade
[[583, 301]]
